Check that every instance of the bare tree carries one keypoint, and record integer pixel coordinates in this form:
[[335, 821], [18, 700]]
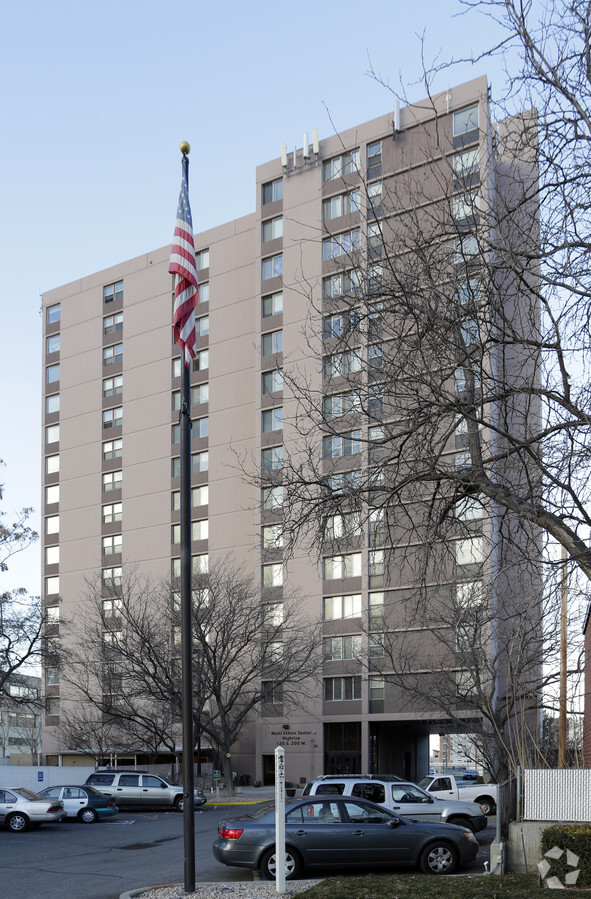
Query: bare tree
[[20, 614], [128, 676]]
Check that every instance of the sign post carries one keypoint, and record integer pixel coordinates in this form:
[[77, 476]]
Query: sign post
[[280, 820]]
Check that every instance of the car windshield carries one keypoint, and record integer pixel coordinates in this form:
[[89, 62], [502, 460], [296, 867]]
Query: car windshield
[[425, 782], [28, 794]]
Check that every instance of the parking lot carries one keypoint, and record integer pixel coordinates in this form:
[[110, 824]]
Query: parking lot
[[135, 849]]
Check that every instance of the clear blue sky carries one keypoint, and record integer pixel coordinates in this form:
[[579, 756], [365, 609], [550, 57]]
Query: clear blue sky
[[97, 97]]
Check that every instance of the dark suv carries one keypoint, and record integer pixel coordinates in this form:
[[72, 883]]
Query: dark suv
[[139, 788]]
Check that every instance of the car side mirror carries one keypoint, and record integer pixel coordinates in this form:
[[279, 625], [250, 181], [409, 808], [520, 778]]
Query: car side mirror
[[394, 822], [163, 786]]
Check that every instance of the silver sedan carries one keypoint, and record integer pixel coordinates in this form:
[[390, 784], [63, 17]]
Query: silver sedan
[[21, 809]]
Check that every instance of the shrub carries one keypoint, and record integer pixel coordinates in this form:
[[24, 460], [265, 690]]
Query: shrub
[[577, 838]]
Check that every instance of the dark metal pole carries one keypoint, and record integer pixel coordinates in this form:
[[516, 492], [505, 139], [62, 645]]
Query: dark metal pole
[[187, 620]]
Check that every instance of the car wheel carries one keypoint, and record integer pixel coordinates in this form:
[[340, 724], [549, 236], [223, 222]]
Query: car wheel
[[439, 858], [487, 805], [18, 822], [462, 822], [88, 815], [293, 864], [179, 803]]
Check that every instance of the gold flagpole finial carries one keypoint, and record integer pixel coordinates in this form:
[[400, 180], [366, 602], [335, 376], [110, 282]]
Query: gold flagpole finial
[[185, 147]]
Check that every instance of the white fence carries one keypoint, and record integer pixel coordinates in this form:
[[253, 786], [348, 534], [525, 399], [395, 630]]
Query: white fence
[[38, 778], [556, 794]]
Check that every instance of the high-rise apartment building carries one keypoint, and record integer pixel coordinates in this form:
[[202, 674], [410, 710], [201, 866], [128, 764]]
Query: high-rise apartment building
[[111, 438]]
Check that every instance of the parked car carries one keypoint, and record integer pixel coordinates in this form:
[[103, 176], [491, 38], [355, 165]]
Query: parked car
[[139, 788], [446, 786], [340, 831], [21, 808], [84, 803], [402, 797], [470, 774]]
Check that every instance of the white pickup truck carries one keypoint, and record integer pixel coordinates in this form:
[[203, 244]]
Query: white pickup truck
[[445, 786]]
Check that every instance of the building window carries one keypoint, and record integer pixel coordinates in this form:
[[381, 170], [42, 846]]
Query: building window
[[272, 191], [376, 611], [342, 204], [52, 524], [272, 420], [272, 304], [52, 464], [347, 524], [466, 249], [113, 449], [199, 462], [272, 458], [374, 159], [53, 344], [376, 646], [341, 688], [52, 434], [335, 649], [273, 614], [272, 267], [111, 610], [52, 585], [374, 198], [375, 240], [52, 494], [200, 529], [376, 688], [343, 482], [52, 555], [112, 577], [465, 165], [466, 205], [113, 418], [340, 244], [272, 693], [340, 284], [336, 567], [375, 277], [337, 607], [200, 361], [52, 403], [341, 444], [272, 575], [112, 545], [340, 165], [113, 323], [272, 536], [272, 498], [465, 120], [53, 706], [113, 292], [112, 512], [200, 427], [202, 326], [113, 386], [272, 381], [199, 497], [272, 343], [204, 292], [470, 551], [340, 323], [341, 364], [52, 373], [53, 314], [113, 354], [199, 395], [112, 480], [200, 563], [272, 229], [202, 259], [52, 676], [341, 404], [376, 568]]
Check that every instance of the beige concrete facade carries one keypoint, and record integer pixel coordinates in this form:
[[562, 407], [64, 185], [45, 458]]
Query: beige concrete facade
[[324, 733]]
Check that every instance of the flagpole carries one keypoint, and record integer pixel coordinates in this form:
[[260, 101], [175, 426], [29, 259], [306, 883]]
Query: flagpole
[[186, 607]]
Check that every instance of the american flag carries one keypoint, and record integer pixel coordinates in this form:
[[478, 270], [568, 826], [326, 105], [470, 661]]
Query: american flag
[[183, 267]]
